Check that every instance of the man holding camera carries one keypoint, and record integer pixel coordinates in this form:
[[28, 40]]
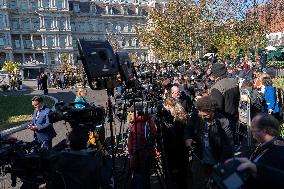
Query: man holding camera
[[43, 129], [210, 138], [270, 151]]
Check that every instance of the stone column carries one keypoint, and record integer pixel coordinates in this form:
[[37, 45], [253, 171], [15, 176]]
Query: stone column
[[41, 22], [56, 22], [32, 39], [24, 60], [11, 56], [10, 39], [69, 40], [22, 42], [44, 58], [53, 22], [56, 40], [68, 23], [7, 21]]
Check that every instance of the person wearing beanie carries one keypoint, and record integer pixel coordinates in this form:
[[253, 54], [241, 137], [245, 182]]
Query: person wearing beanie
[[226, 93]]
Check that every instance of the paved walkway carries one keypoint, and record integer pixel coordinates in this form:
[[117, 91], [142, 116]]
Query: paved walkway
[[67, 95]]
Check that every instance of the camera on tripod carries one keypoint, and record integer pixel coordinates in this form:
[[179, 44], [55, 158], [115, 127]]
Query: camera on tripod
[[89, 117]]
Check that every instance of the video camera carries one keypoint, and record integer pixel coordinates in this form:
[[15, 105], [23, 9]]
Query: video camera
[[226, 175], [24, 160], [89, 116]]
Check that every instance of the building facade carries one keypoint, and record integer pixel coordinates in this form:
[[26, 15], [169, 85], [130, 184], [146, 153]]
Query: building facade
[[39, 33], [270, 16]]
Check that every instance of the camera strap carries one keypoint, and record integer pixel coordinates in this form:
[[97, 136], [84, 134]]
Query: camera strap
[[261, 150]]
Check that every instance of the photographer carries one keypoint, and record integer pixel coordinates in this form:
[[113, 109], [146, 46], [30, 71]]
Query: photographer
[[270, 151], [175, 149], [77, 168], [142, 131], [261, 174], [209, 135]]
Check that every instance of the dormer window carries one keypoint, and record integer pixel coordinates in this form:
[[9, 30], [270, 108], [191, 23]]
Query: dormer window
[[94, 8], [110, 11], [125, 11], [76, 7]]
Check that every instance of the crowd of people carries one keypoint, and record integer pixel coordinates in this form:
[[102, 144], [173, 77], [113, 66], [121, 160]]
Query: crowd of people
[[204, 102], [199, 124]]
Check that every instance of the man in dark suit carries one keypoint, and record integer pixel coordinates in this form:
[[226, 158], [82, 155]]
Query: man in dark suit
[[43, 129]]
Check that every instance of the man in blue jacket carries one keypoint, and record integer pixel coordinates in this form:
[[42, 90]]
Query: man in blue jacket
[[43, 129]]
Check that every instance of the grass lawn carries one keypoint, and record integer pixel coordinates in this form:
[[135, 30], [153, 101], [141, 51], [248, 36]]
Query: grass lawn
[[15, 110]]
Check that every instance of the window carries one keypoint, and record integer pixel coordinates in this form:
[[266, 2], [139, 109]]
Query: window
[[28, 57], [45, 3], [48, 23], [33, 5], [26, 24], [62, 24], [1, 21], [94, 8], [39, 57], [50, 41], [52, 57], [24, 6], [2, 40], [27, 44], [36, 24], [17, 44], [76, 7], [74, 43], [125, 29], [62, 41], [15, 24], [125, 11], [13, 5], [59, 4], [123, 43], [37, 42], [18, 57]]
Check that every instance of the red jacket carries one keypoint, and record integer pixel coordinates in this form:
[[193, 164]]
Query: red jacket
[[144, 147]]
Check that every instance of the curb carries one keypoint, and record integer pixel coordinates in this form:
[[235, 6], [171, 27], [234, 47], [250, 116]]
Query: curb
[[24, 125]]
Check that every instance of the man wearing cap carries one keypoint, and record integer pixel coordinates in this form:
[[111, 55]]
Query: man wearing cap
[[226, 93]]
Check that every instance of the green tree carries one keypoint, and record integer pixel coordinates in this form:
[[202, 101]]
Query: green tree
[[186, 25], [11, 67], [173, 34]]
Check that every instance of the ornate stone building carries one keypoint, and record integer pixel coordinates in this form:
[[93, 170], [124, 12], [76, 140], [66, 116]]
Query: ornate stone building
[[39, 33], [113, 20]]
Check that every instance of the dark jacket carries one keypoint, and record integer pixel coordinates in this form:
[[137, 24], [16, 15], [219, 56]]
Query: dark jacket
[[269, 177], [270, 154], [79, 170], [45, 130], [227, 95], [220, 136]]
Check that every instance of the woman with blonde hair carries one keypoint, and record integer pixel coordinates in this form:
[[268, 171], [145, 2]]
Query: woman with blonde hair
[[175, 149], [81, 98]]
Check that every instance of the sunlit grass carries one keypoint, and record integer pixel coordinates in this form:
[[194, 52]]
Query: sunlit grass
[[15, 110]]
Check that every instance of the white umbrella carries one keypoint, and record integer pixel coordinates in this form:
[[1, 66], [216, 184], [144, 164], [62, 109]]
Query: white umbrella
[[270, 48]]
